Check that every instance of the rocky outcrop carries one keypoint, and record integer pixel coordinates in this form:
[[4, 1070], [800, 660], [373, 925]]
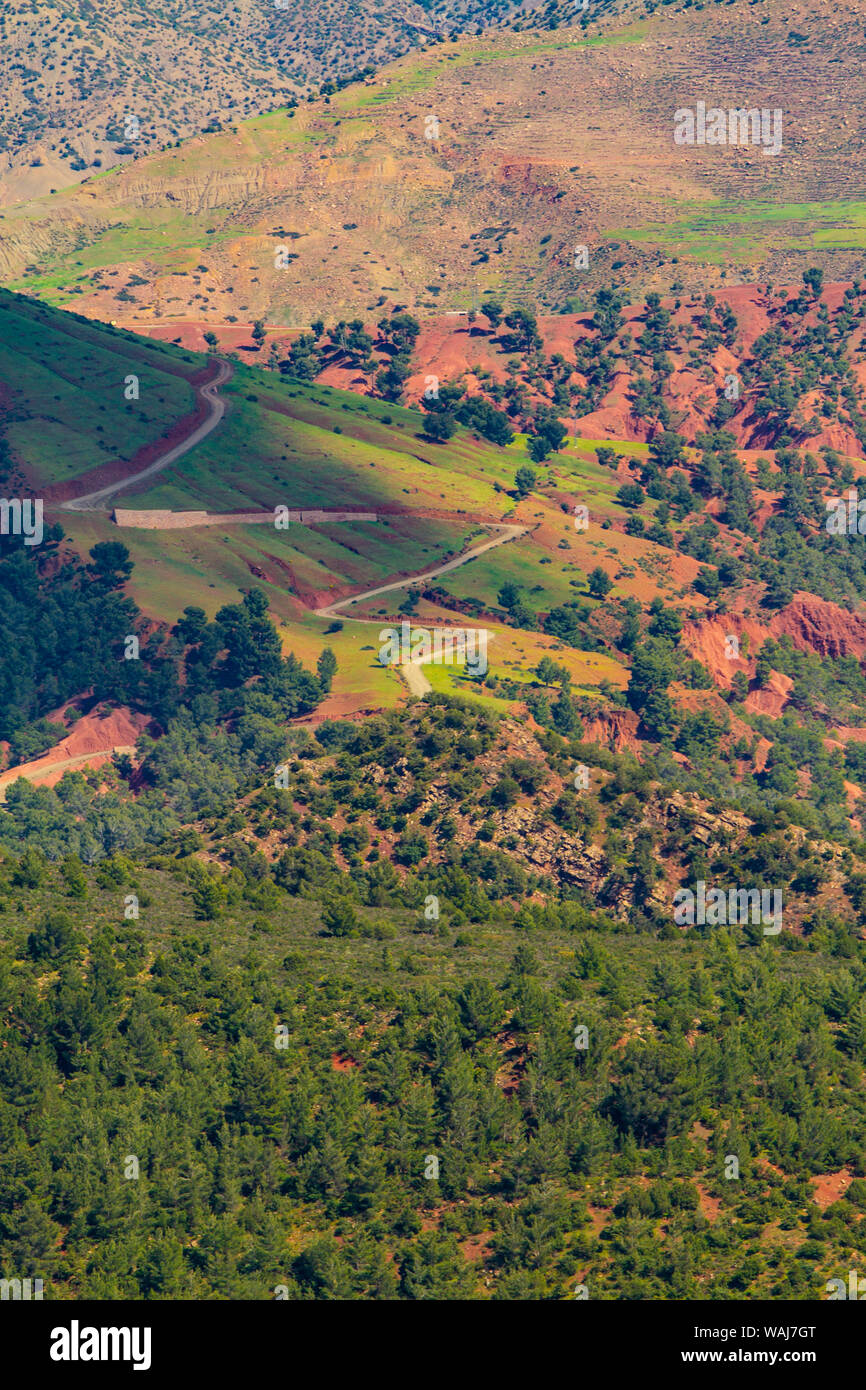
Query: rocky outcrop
[[815, 625]]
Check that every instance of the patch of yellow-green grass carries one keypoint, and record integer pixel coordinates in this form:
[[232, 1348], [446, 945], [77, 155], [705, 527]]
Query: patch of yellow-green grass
[[448, 680], [518, 562], [355, 646], [720, 230], [173, 568], [514, 654], [157, 234], [591, 485], [211, 566], [417, 73], [836, 239], [621, 446]]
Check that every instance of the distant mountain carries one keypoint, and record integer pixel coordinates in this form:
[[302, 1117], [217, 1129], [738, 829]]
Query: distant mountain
[[73, 76], [537, 165]]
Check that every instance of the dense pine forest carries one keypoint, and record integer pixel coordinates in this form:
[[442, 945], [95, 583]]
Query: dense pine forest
[[248, 1086], [248, 1053]]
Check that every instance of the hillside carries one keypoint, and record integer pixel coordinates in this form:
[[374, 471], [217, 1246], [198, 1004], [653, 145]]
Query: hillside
[[74, 75], [703, 611], [374, 1077], [433, 682], [545, 140]]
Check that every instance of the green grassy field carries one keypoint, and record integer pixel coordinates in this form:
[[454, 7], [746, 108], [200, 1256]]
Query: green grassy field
[[720, 231], [161, 235], [331, 449], [303, 446], [66, 379]]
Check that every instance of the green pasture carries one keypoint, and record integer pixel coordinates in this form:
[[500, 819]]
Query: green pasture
[[722, 230], [283, 447], [67, 381], [161, 235]]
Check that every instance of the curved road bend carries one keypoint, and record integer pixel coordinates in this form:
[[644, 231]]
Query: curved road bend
[[411, 670], [91, 501]]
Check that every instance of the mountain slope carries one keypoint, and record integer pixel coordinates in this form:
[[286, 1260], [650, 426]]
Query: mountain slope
[[546, 141], [73, 74]]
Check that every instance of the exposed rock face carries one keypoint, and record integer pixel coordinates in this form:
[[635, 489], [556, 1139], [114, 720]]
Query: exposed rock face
[[616, 731], [815, 625], [552, 851], [569, 859], [710, 827]]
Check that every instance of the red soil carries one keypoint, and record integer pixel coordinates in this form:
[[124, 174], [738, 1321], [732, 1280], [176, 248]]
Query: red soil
[[816, 625], [813, 624], [344, 706], [616, 731], [706, 641], [829, 1187], [762, 752], [93, 736], [478, 1247], [771, 698], [710, 1206], [232, 337], [449, 346]]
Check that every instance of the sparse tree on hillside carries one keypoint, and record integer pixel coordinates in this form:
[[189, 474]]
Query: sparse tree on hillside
[[326, 668], [524, 481], [599, 582], [439, 425]]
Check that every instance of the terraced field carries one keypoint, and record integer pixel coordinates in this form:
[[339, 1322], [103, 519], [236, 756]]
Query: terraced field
[[181, 71]]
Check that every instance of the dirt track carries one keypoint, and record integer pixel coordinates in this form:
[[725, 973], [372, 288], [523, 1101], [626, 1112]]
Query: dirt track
[[511, 533], [208, 394], [35, 773], [411, 670]]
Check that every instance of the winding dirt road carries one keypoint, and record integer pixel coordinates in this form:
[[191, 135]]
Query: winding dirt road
[[37, 772], [411, 670], [511, 533], [209, 393], [92, 501]]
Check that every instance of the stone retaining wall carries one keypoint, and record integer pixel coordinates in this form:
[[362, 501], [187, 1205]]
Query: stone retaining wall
[[174, 521]]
